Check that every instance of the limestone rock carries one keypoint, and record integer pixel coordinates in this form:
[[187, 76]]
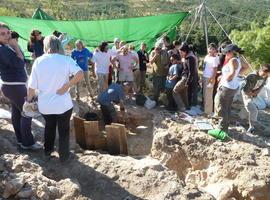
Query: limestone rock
[[26, 193], [221, 191], [12, 187]]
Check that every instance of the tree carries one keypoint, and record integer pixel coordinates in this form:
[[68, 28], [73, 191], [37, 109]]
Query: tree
[[255, 42]]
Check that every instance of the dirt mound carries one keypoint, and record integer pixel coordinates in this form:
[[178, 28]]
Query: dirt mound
[[235, 168], [183, 163]]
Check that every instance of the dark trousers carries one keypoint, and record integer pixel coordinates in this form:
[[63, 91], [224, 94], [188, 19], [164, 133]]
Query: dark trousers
[[223, 104], [171, 101], [159, 86], [62, 122], [109, 113], [22, 125], [193, 94]]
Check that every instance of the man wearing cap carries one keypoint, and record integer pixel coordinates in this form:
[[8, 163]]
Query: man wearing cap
[[253, 85], [228, 85], [114, 94], [159, 58]]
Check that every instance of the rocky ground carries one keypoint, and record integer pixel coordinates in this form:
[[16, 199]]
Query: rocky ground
[[170, 161]]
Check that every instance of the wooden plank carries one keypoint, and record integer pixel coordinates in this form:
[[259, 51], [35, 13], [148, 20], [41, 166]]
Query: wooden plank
[[113, 139], [79, 131], [101, 142], [91, 131], [123, 138]]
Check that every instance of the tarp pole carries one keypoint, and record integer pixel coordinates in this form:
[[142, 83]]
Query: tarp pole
[[205, 29]]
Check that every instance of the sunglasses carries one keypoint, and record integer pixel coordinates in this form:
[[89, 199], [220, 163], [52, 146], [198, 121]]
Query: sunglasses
[[5, 33]]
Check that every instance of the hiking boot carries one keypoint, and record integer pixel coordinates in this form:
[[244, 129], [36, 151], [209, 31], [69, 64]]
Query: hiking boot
[[34, 147]]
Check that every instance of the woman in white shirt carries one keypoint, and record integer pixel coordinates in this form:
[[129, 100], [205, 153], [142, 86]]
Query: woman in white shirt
[[102, 59], [210, 64], [50, 78]]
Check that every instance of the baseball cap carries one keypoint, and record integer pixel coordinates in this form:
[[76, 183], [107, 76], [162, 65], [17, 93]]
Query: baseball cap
[[231, 47]]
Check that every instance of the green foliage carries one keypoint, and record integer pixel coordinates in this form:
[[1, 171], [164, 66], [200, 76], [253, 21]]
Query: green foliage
[[7, 12], [249, 10], [255, 42]]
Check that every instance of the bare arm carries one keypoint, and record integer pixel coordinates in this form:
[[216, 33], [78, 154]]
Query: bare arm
[[122, 107], [244, 65], [153, 56], [212, 79], [136, 59], [77, 78], [113, 62], [14, 44], [233, 65], [173, 78], [30, 94]]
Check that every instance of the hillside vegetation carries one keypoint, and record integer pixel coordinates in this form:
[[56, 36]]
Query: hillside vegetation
[[232, 14]]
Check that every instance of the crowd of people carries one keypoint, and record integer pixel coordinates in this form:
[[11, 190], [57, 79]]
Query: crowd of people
[[119, 71]]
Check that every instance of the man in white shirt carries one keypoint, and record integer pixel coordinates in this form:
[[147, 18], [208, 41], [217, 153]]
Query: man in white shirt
[[211, 62]]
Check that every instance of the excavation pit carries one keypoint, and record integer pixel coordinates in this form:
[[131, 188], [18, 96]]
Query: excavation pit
[[131, 135]]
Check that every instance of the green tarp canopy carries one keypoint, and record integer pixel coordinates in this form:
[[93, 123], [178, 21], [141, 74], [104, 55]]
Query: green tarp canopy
[[40, 14], [135, 30]]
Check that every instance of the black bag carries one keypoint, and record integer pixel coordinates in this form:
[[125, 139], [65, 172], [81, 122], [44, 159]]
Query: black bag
[[140, 99], [91, 116]]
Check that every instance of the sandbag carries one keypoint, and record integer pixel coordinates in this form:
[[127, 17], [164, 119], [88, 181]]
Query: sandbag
[[4, 114], [149, 104], [260, 103]]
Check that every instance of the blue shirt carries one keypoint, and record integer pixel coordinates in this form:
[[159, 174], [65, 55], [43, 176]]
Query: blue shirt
[[172, 72], [81, 57], [11, 66], [114, 93], [36, 48]]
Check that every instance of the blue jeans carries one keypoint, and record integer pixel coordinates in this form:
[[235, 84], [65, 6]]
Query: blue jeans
[[21, 124]]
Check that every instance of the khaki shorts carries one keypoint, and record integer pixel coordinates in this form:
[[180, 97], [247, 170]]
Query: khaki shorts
[[126, 76], [102, 82]]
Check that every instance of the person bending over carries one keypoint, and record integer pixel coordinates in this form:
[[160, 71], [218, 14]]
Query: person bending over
[[114, 94], [254, 83]]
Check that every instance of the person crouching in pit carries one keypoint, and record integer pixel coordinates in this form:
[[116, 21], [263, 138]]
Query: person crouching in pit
[[115, 93], [254, 83]]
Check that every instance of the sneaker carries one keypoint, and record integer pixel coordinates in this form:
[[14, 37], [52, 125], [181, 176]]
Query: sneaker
[[35, 146], [48, 156], [251, 129]]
